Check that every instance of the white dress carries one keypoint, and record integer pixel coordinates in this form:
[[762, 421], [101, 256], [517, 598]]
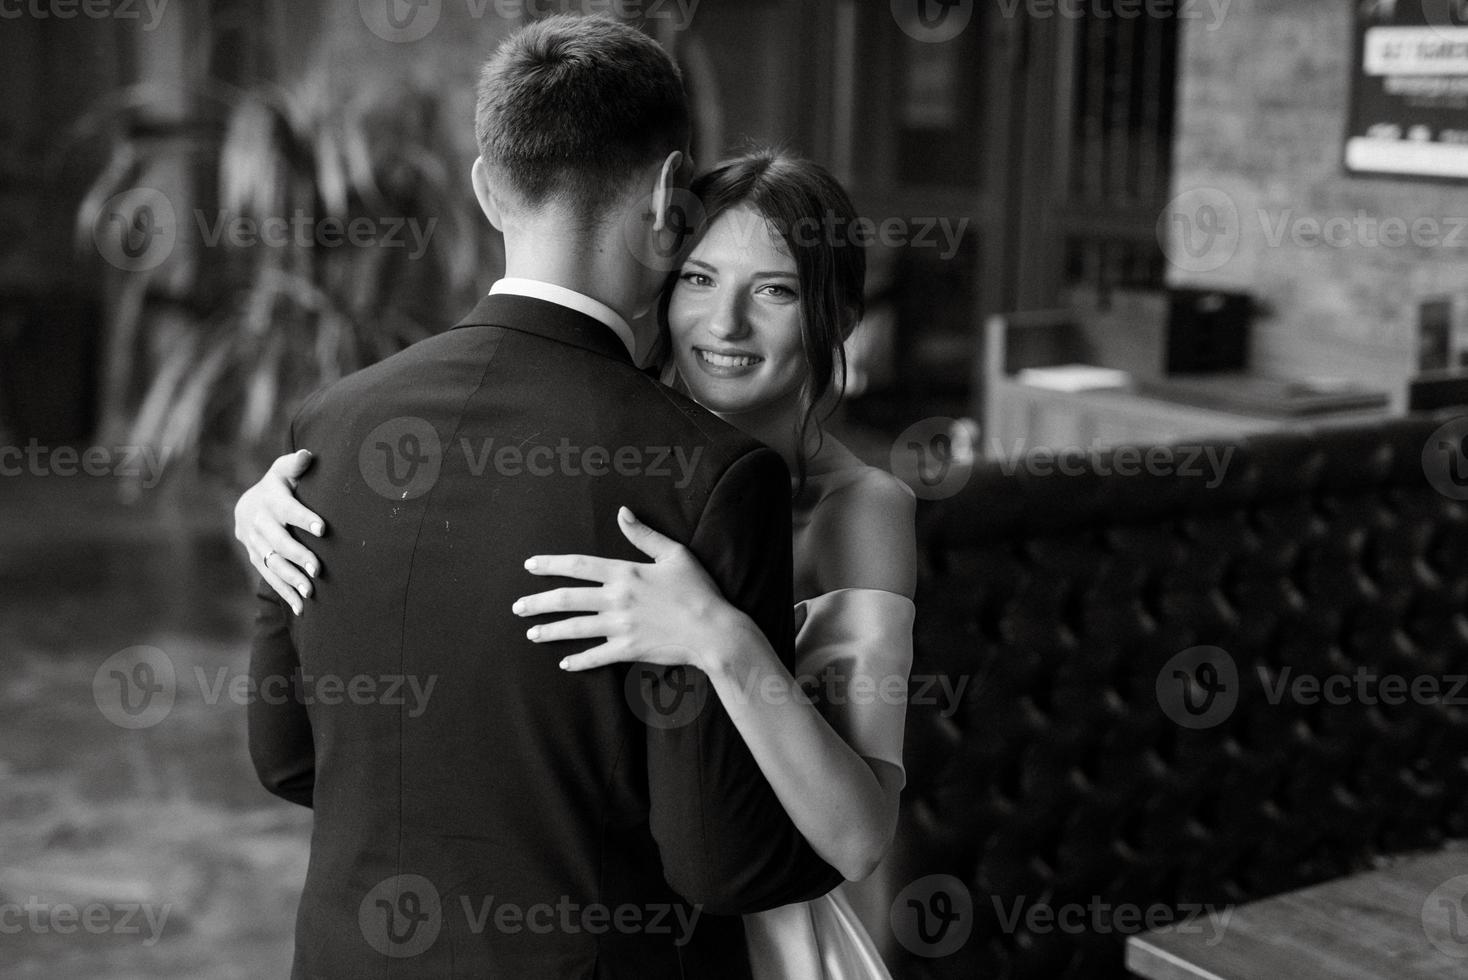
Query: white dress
[[847, 634]]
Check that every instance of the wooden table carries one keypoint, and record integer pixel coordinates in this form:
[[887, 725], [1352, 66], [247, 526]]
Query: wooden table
[[1401, 923]]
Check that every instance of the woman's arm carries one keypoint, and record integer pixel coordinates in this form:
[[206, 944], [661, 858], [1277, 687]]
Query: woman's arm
[[844, 804], [668, 612], [261, 516]]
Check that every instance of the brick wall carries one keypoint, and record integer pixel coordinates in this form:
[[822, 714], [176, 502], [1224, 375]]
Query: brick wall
[[1261, 119]]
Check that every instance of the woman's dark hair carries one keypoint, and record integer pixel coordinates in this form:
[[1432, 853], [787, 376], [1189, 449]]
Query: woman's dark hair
[[814, 216]]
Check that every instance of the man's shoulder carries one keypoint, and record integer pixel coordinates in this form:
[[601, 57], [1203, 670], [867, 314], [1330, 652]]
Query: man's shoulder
[[623, 396], [360, 384], [691, 417], [411, 365], [688, 435]]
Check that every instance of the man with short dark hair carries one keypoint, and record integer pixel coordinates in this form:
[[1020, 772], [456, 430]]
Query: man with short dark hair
[[573, 116], [479, 812]]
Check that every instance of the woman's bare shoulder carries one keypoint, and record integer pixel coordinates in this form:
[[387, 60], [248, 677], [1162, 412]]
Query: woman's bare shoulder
[[862, 529]]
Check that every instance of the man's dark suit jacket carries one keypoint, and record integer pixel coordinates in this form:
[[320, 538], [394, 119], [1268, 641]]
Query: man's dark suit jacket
[[514, 820]]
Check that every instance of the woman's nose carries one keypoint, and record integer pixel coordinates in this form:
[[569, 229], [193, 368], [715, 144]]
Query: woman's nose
[[728, 321]]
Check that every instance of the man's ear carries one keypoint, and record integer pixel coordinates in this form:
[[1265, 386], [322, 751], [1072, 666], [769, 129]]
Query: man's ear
[[669, 180], [479, 176]]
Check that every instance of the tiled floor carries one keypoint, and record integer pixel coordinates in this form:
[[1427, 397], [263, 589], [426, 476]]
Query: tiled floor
[[147, 853]]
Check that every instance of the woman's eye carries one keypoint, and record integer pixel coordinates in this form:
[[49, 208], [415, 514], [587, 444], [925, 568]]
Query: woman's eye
[[781, 292], [696, 279]]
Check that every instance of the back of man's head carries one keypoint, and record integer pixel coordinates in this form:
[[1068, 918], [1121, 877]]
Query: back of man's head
[[571, 108]]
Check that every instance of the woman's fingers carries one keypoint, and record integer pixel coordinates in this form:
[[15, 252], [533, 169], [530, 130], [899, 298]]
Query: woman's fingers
[[281, 587], [292, 466], [288, 510], [562, 600], [588, 568], [575, 628], [654, 544], [272, 537], [280, 565], [597, 656], [280, 500]]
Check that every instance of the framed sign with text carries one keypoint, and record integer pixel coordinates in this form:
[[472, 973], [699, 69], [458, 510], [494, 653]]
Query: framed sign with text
[[1409, 97]]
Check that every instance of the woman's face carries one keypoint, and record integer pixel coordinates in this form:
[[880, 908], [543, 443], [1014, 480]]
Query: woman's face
[[735, 317]]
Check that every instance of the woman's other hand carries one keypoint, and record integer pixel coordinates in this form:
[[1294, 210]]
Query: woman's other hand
[[667, 612], [261, 517]]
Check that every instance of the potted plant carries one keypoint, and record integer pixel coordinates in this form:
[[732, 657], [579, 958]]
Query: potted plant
[[324, 230]]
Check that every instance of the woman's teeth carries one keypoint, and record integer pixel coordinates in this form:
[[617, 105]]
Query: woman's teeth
[[728, 360]]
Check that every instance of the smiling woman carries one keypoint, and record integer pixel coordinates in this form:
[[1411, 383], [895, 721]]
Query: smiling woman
[[735, 314], [760, 311]]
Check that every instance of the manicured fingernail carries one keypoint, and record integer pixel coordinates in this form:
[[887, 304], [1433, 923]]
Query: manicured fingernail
[[519, 607], [565, 665], [626, 515], [316, 529], [306, 590], [311, 570], [533, 632], [531, 563]]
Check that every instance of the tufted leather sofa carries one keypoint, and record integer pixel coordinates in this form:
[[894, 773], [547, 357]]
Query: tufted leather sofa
[[1061, 778]]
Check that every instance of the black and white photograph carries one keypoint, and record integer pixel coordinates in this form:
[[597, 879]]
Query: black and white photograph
[[734, 489]]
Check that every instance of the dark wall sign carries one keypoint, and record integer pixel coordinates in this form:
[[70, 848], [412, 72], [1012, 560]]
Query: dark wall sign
[[1409, 100]]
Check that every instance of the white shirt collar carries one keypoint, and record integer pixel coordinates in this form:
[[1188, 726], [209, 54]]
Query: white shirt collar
[[579, 302]]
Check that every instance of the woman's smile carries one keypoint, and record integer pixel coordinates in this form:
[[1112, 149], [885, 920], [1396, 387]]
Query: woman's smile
[[726, 363]]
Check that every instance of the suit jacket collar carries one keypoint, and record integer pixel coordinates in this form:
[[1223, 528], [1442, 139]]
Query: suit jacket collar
[[549, 320]]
